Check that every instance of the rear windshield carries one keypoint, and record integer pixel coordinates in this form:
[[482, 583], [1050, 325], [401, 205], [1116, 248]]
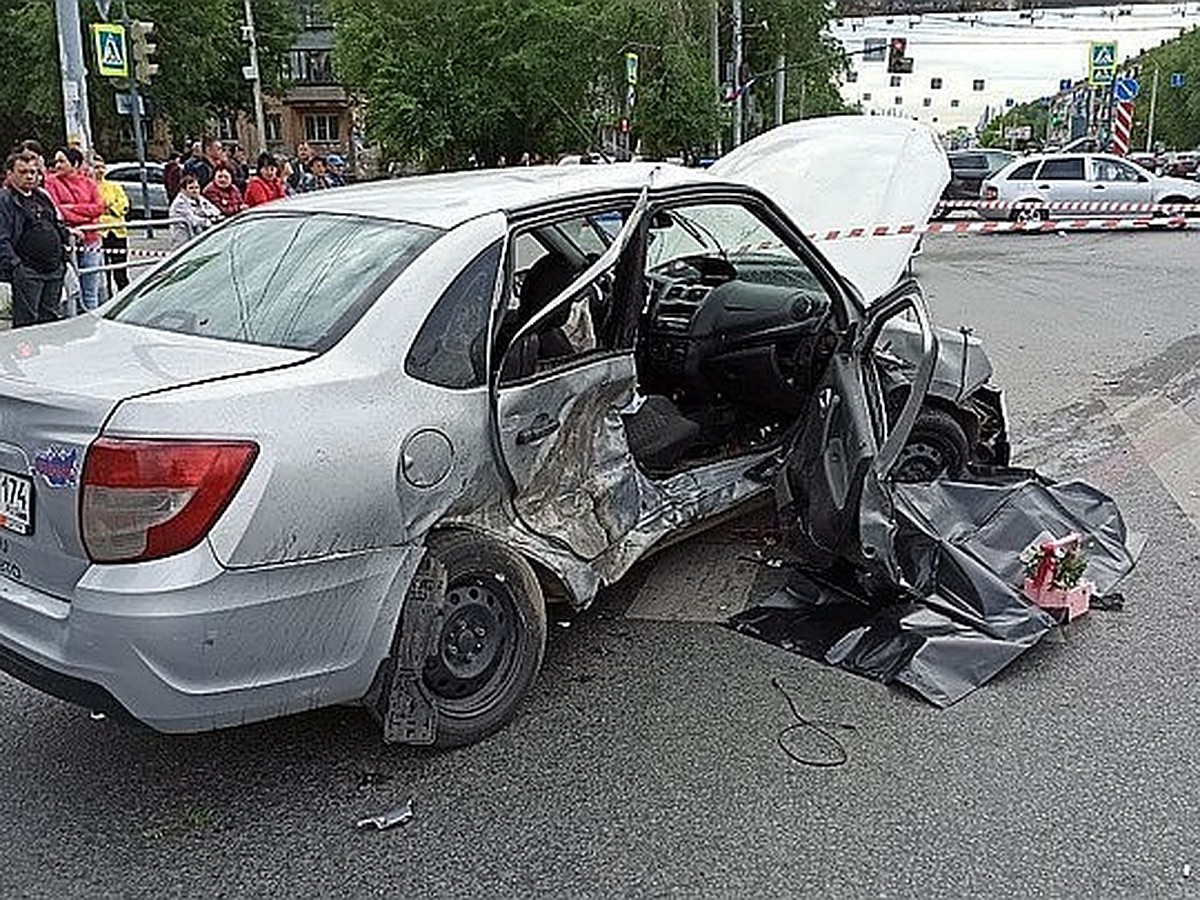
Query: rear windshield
[[295, 280]]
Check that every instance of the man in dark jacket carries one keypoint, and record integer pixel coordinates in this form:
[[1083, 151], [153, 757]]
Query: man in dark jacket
[[202, 169], [32, 243]]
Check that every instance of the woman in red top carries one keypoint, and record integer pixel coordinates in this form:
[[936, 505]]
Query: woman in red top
[[78, 200], [222, 193], [265, 185]]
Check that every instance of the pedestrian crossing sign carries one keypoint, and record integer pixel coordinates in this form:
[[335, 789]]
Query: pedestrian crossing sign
[[112, 57], [1102, 63]]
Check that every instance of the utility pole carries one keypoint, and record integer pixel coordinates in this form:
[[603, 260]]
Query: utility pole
[[135, 103], [74, 75], [716, 63], [737, 72], [253, 76], [1153, 104], [780, 86]]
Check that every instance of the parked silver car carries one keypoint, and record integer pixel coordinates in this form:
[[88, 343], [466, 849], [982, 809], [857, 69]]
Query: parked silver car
[[1090, 180], [345, 448]]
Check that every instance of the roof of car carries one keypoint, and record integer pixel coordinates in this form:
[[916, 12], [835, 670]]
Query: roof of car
[[449, 199]]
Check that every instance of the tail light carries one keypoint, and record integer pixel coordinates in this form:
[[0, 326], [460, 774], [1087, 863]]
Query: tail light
[[991, 192], [148, 499]]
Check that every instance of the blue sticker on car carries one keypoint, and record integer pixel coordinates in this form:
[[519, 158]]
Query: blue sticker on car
[[58, 466]]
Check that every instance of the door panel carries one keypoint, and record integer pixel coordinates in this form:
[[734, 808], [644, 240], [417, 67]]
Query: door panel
[[564, 445], [835, 481]]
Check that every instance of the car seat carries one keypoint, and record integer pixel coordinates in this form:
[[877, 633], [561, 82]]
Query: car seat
[[544, 281]]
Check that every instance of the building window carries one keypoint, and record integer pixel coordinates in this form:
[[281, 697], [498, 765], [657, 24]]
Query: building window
[[899, 101], [309, 67], [954, 104], [895, 81], [927, 101], [977, 84], [227, 128], [935, 84], [312, 15], [866, 96], [321, 129], [274, 126], [851, 77]]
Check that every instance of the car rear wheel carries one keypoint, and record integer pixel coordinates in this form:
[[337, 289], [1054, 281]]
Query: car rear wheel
[[937, 447], [488, 638], [1030, 213], [1173, 201]]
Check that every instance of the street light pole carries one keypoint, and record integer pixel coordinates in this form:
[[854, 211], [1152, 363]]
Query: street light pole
[[737, 72], [74, 75], [716, 63], [252, 72], [135, 112]]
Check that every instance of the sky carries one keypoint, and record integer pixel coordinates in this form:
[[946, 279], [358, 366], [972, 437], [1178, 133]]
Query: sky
[[1019, 59]]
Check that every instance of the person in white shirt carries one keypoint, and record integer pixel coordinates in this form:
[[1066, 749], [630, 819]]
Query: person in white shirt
[[192, 210]]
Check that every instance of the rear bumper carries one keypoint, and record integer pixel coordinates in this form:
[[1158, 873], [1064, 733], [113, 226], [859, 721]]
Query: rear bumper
[[184, 645]]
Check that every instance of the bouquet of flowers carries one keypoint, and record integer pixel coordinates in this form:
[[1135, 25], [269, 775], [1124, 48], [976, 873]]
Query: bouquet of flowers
[[1054, 570]]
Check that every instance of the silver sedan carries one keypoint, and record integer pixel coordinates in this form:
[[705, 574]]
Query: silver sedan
[[344, 449]]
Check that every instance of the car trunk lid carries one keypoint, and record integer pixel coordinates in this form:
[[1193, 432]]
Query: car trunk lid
[[58, 386]]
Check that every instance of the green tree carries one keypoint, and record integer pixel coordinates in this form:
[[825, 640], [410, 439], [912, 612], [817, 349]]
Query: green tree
[[1177, 110], [1033, 115], [442, 81], [31, 102]]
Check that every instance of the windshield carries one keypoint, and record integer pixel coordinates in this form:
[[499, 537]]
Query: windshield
[[718, 229], [295, 280]]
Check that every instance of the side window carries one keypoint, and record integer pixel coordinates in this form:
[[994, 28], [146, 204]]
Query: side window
[[1023, 172], [1114, 170], [546, 259], [450, 348], [1068, 169]]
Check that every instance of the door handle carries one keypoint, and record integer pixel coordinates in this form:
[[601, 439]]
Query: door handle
[[1043, 187], [543, 426], [1097, 187]]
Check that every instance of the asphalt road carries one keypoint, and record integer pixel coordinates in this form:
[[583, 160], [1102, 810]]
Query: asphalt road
[[647, 763]]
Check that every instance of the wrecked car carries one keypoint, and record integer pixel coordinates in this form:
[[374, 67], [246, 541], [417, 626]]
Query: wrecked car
[[345, 448]]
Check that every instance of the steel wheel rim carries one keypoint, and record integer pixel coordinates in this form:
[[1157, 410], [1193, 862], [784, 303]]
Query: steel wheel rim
[[920, 461], [475, 655]]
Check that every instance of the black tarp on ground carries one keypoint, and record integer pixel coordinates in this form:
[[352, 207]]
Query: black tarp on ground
[[961, 617]]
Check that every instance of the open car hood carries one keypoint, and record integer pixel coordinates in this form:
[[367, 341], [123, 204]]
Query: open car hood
[[845, 172]]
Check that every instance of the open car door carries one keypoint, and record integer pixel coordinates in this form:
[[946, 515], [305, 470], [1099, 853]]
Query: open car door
[[833, 489], [560, 433]]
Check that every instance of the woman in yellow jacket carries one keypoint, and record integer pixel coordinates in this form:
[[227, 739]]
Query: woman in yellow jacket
[[114, 240]]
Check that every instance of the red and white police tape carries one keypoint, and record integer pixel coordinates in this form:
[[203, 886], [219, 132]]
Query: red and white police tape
[[1100, 206], [963, 226]]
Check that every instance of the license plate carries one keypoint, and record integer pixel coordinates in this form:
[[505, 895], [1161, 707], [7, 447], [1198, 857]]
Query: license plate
[[16, 502]]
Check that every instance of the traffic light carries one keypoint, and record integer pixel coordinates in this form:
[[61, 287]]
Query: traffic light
[[143, 68], [897, 62]]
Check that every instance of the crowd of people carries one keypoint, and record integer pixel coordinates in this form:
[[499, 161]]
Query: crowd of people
[[66, 216]]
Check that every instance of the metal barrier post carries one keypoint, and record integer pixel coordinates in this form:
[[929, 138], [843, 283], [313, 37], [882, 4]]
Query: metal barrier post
[[71, 285]]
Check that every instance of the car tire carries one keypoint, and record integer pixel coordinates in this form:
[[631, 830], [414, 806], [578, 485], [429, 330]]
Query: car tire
[[937, 447], [488, 637], [1034, 214], [1172, 201]]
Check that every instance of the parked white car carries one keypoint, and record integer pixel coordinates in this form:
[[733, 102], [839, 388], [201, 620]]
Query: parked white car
[[1093, 180]]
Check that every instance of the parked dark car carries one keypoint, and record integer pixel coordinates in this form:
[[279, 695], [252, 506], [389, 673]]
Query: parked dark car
[[970, 168], [129, 176]]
